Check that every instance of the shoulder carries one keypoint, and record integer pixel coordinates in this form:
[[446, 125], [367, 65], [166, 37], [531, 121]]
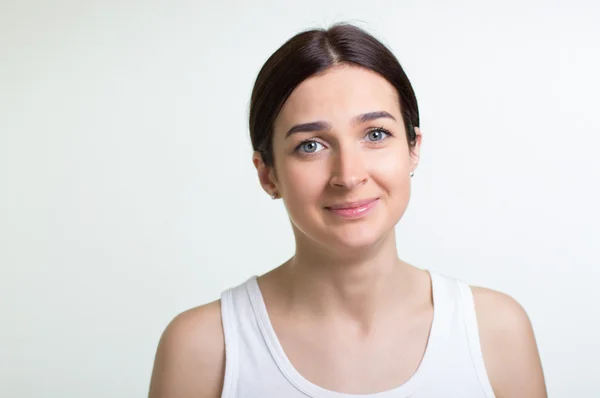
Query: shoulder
[[508, 345], [190, 358]]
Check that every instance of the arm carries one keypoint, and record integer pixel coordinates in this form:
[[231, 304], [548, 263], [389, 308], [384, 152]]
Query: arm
[[508, 344], [190, 359]]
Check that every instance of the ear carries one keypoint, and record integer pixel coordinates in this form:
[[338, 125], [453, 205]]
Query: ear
[[266, 174], [415, 152]]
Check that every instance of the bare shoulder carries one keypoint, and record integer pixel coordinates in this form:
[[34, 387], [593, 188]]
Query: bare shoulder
[[508, 344], [190, 358]]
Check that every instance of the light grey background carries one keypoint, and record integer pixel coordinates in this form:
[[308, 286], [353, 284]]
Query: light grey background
[[127, 192]]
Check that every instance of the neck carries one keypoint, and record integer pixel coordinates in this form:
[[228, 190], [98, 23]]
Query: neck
[[356, 286]]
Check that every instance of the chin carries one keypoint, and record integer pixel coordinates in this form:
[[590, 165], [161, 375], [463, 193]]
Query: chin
[[353, 238]]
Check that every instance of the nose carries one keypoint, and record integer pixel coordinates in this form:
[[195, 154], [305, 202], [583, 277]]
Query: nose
[[348, 170]]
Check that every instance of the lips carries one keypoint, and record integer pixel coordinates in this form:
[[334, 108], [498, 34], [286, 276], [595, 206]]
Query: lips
[[353, 210], [351, 205]]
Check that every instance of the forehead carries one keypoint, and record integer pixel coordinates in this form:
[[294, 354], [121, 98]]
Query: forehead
[[337, 95]]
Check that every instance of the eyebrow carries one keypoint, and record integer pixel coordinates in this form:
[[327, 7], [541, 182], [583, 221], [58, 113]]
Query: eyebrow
[[322, 125]]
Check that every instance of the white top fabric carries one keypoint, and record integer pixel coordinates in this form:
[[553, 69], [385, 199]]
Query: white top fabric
[[257, 367]]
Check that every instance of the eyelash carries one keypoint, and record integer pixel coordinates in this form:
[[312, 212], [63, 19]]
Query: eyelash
[[387, 133]]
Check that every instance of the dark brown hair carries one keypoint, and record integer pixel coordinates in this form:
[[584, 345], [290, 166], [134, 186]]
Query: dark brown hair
[[314, 51]]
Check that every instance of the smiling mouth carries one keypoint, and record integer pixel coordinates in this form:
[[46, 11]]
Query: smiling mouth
[[353, 210]]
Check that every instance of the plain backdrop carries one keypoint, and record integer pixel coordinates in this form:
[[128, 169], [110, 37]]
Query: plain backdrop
[[127, 191]]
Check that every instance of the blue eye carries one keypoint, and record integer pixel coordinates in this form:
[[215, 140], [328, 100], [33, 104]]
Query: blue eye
[[378, 135], [309, 147]]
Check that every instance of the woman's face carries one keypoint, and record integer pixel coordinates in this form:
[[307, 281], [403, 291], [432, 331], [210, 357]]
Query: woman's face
[[342, 161]]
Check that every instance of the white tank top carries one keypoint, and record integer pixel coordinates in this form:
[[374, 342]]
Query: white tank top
[[256, 365]]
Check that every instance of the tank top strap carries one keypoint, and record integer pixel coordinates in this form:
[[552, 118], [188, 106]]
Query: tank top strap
[[249, 365], [458, 309], [231, 337], [467, 303]]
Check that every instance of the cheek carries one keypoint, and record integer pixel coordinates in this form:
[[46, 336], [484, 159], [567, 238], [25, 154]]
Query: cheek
[[392, 174], [303, 181], [302, 185], [391, 169]]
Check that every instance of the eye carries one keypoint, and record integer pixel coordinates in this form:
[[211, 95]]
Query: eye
[[309, 147], [378, 134]]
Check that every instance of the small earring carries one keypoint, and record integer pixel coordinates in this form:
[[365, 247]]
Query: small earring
[[274, 195], [412, 174]]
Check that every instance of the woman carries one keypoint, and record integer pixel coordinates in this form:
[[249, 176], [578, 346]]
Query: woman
[[334, 125]]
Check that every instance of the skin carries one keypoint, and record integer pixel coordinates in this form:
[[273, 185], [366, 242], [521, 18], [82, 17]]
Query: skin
[[345, 307]]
